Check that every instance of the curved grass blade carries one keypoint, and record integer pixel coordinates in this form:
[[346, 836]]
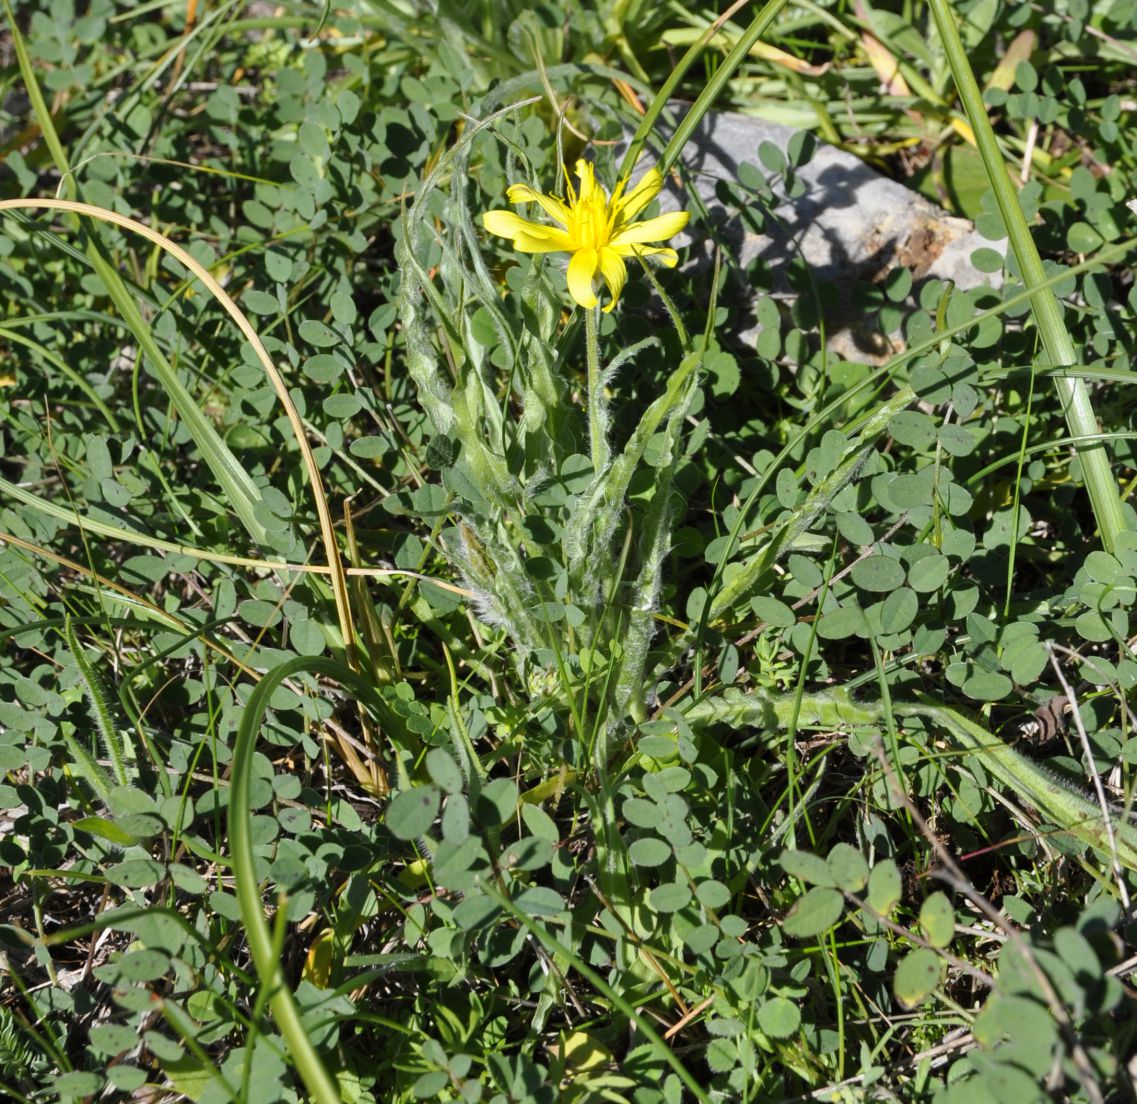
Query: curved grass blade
[[319, 1082]]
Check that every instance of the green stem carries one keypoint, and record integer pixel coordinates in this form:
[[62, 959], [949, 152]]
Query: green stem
[[597, 407], [1056, 340], [1057, 801], [96, 696]]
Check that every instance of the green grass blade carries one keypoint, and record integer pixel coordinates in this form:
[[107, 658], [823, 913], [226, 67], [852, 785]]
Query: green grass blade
[[714, 86], [239, 487], [558, 950], [1056, 340], [303, 1054], [65, 369], [133, 536], [1065, 806], [96, 696]]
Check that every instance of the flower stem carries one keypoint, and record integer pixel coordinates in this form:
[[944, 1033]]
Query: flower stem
[[597, 407]]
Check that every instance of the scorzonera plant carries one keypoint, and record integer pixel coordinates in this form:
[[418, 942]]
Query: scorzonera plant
[[548, 538]]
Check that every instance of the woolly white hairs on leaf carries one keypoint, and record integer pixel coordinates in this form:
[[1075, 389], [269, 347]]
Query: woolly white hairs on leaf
[[486, 603], [537, 482]]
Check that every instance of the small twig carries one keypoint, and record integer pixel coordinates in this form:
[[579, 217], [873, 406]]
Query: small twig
[[981, 933], [953, 875], [1028, 153], [960, 1039], [639, 944], [550, 967], [1091, 767], [973, 972], [1128, 966], [690, 1014]]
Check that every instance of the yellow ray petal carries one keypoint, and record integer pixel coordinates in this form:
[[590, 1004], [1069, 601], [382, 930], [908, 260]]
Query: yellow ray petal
[[581, 273], [506, 224], [588, 185], [663, 255], [615, 272], [656, 229], [553, 241], [553, 207], [529, 237], [640, 196]]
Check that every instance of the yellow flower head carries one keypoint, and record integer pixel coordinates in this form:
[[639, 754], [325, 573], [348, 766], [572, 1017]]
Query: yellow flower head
[[597, 230]]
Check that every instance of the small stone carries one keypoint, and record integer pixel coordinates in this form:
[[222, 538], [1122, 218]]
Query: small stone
[[849, 223]]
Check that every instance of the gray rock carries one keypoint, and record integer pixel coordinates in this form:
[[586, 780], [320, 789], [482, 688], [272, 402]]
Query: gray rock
[[849, 223]]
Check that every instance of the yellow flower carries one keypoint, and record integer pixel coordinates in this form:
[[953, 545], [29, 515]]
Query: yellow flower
[[597, 230]]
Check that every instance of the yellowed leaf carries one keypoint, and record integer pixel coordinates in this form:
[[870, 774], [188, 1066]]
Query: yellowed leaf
[[886, 65], [1020, 49], [881, 58], [581, 1052], [772, 54], [685, 36], [318, 963], [963, 128]]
